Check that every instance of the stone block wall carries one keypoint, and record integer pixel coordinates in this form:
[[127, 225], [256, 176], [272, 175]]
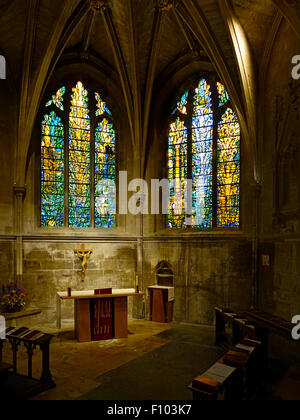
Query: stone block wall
[[207, 273], [6, 262], [53, 267], [279, 284]]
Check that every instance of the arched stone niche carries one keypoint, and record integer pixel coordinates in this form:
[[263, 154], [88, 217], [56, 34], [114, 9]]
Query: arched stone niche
[[164, 274]]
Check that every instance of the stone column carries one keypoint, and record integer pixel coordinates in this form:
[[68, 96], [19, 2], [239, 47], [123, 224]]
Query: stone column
[[19, 195], [256, 190]]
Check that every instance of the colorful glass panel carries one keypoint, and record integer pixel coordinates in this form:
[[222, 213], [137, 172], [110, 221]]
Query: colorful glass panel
[[223, 95], [52, 171], [79, 158], [105, 174], [214, 142], [182, 104], [202, 153], [229, 171], [177, 158], [58, 99], [101, 106]]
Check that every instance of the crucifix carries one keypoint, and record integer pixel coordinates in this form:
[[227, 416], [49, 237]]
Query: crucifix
[[83, 255]]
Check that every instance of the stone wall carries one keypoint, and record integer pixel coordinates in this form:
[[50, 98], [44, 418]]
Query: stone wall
[[280, 198], [207, 273], [280, 286], [53, 267], [6, 262]]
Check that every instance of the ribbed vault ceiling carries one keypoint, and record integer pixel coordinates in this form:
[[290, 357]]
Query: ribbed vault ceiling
[[138, 41]]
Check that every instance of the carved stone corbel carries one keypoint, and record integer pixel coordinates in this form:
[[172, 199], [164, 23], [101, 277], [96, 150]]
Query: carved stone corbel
[[167, 5], [98, 5]]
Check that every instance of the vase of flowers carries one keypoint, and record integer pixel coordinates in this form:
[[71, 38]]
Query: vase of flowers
[[12, 298]]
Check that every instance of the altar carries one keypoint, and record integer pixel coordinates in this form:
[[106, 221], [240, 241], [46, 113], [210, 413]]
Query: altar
[[98, 316]]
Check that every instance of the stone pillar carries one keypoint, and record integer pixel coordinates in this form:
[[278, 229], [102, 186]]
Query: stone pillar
[[139, 303], [256, 190], [19, 195]]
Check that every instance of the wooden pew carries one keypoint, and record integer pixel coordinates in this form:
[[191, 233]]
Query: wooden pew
[[223, 316], [214, 383], [236, 376], [31, 339], [255, 367], [273, 323], [242, 327]]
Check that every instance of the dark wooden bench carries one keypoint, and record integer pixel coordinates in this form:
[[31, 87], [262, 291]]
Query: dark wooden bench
[[31, 340], [241, 326], [273, 323], [236, 376]]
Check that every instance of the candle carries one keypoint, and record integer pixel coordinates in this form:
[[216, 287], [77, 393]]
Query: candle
[[137, 284]]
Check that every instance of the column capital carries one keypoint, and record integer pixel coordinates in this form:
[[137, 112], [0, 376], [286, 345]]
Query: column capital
[[19, 191], [166, 5], [98, 5]]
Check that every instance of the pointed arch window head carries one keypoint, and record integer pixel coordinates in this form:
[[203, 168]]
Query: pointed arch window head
[[78, 160], [204, 147]]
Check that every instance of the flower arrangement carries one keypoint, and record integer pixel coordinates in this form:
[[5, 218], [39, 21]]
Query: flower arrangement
[[12, 298]]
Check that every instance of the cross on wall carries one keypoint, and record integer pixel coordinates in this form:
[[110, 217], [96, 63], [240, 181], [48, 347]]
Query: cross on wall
[[83, 254]]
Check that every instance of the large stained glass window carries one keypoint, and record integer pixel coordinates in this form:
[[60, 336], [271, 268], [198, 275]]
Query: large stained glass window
[[78, 160], [228, 170], [177, 170], [105, 173], [53, 170], [204, 147]]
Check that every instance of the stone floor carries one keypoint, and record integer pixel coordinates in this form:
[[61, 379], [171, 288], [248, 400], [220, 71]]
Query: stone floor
[[156, 362], [80, 369]]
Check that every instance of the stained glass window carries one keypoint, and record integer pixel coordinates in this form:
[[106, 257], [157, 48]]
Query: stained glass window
[[58, 99], [223, 95], [177, 171], [101, 106], [204, 146], [202, 142], [228, 170], [182, 104], [78, 160], [105, 173], [52, 168]]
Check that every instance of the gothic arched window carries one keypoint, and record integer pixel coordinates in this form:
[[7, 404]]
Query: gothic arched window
[[78, 160], [204, 147]]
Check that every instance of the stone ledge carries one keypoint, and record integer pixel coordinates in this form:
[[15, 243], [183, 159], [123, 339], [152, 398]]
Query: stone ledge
[[21, 314]]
